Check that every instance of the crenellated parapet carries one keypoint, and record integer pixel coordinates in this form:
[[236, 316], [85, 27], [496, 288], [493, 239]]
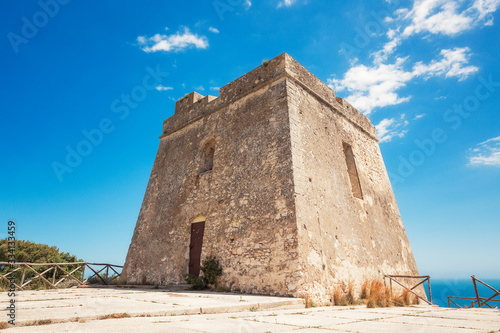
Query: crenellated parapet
[[194, 106]]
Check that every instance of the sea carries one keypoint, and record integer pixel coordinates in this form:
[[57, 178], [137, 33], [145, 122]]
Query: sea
[[442, 288]]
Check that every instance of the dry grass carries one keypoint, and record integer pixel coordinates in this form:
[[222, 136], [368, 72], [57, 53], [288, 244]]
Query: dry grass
[[344, 298], [38, 322], [405, 299], [3, 325], [375, 294], [309, 302], [115, 316]]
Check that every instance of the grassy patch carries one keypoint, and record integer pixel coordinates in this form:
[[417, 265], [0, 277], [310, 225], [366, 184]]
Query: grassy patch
[[115, 316]]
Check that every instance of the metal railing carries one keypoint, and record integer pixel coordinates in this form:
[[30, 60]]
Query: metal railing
[[27, 268], [423, 278]]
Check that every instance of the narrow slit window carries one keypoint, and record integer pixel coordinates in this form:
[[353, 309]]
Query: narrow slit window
[[352, 171], [207, 158]]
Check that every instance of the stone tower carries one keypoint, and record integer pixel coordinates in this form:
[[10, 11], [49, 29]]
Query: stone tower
[[278, 178]]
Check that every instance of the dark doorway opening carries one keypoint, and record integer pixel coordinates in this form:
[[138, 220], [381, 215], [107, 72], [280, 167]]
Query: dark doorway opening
[[197, 230]]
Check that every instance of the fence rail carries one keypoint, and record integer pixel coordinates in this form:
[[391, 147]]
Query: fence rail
[[69, 273], [423, 278], [480, 301]]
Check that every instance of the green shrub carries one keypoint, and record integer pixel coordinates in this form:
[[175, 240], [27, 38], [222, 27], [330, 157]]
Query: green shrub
[[31, 252], [211, 270]]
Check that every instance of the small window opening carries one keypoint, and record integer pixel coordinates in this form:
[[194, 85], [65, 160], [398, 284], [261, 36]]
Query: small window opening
[[352, 171], [207, 158]]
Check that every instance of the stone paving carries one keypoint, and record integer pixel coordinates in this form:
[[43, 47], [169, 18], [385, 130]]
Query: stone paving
[[92, 310]]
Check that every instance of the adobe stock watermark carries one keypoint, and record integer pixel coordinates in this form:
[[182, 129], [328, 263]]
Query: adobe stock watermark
[[374, 27], [223, 6], [453, 116], [48, 10], [121, 107], [11, 254]]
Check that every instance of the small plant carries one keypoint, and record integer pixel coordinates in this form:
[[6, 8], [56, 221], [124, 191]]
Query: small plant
[[184, 98], [211, 270], [338, 298], [344, 298], [310, 303], [265, 63], [196, 282], [364, 290], [350, 294], [3, 325]]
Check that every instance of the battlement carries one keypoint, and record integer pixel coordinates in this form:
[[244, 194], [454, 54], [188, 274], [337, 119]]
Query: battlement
[[194, 106]]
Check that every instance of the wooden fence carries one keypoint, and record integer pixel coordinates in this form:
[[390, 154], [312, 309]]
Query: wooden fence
[[423, 279], [477, 300], [76, 274]]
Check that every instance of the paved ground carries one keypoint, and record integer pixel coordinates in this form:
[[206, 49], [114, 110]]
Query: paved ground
[[85, 310]]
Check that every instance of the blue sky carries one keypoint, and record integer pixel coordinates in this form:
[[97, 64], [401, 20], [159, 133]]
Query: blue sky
[[97, 79]]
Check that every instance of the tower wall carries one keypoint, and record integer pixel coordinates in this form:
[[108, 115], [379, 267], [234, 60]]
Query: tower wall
[[279, 207], [247, 198], [342, 239]]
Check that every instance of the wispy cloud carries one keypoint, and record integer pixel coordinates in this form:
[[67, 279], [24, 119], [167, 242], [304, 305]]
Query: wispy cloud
[[214, 88], [377, 86], [453, 63], [179, 41], [163, 88], [286, 3], [214, 30], [199, 88], [486, 153], [389, 128], [247, 4]]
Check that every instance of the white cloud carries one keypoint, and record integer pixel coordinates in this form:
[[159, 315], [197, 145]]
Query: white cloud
[[214, 88], [172, 43], [247, 4], [387, 129], [486, 153], [163, 88], [377, 86], [452, 64], [485, 8], [447, 17], [286, 3], [373, 87], [214, 30], [438, 17], [388, 48], [199, 88]]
